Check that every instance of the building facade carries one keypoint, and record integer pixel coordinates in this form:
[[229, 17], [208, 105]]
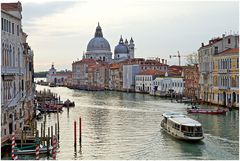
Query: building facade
[[226, 78], [191, 79], [205, 55], [58, 79], [129, 73], [144, 80], [17, 88]]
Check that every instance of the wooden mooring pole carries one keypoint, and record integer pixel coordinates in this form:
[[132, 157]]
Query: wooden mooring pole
[[51, 135], [58, 124], [75, 133], [80, 131]]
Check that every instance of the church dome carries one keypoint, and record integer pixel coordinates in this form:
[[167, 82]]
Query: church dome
[[98, 42], [121, 47]]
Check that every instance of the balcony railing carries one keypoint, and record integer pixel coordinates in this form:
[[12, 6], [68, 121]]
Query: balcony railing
[[9, 70]]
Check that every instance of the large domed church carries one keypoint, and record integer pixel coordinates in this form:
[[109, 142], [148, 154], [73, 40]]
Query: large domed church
[[99, 48]]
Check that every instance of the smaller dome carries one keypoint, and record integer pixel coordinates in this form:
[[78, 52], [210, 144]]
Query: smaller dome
[[121, 47]]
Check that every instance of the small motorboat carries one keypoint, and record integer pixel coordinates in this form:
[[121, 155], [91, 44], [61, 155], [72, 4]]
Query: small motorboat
[[206, 111], [29, 150]]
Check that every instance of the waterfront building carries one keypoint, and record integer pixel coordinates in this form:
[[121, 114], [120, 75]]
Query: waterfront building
[[28, 79], [98, 47], [191, 79], [17, 86], [145, 79], [205, 55], [98, 76], [60, 78], [115, 77], [80, 73], [226, 78], [129, 73], [172, 82]]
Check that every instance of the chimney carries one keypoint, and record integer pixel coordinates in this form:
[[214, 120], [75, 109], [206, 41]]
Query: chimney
[[223, 35], [166, 62], [202, 44], [162, 61]]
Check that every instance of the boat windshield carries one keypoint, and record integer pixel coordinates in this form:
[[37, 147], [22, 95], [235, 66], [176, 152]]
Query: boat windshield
[[193, 131]]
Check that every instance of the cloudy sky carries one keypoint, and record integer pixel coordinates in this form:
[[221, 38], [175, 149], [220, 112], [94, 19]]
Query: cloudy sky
[[59, 31]]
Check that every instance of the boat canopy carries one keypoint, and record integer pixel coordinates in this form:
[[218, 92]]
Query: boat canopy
[[181, 119], [173, 114], [185, 121]]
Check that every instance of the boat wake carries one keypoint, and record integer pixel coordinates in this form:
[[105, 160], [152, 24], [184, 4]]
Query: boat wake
[[222, 139]]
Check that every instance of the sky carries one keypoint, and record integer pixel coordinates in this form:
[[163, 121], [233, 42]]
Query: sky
[[59, 30]]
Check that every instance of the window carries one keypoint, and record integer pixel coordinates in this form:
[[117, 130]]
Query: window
[[17, 30], [215, 49], [12, 28], [237, 62], [229, 41], [2, 23], [9, 26]]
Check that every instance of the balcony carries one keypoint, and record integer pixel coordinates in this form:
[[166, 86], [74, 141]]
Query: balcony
[[223, 71], [9, 70], [223, 87]]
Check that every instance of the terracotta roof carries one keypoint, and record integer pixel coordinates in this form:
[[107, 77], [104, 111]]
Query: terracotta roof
[[229, 51], [114, 66], [85, 61], [11, 6], [174, 67], [152, 72]]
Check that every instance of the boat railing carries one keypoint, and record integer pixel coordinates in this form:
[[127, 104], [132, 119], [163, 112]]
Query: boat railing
[[193, 134]]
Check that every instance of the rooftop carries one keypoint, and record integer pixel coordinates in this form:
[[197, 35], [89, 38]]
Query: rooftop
[[11, 6]]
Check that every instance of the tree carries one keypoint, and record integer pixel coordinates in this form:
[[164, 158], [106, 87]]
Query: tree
[[192, 59]]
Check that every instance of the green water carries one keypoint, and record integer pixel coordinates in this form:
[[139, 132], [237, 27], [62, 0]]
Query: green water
[[118, 125]]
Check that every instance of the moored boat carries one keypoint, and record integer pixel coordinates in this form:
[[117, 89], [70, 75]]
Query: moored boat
[[207, 111], [30, 150], [182, 127]]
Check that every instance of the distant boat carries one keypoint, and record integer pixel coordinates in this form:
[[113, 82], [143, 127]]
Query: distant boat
[[68, 103], [182, 127], [207, 111]]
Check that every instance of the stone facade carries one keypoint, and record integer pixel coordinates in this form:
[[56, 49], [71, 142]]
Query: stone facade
[[226, 78], [205, 55], [17, 87], [191, 79]]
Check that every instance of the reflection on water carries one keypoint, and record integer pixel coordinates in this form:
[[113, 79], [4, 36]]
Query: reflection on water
[[120, 125]]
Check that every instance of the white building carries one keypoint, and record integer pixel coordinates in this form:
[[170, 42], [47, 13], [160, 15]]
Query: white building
[[168, 85], [144, 80], [16, 71], [129, 73], [58, 79]]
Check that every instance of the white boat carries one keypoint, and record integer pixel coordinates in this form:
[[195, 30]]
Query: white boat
[[182, 127]]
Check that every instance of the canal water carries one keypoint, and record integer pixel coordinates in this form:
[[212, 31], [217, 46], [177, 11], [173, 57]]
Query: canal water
[[119, 125]]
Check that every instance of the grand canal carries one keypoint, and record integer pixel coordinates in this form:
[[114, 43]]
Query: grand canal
[[119, 125]]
